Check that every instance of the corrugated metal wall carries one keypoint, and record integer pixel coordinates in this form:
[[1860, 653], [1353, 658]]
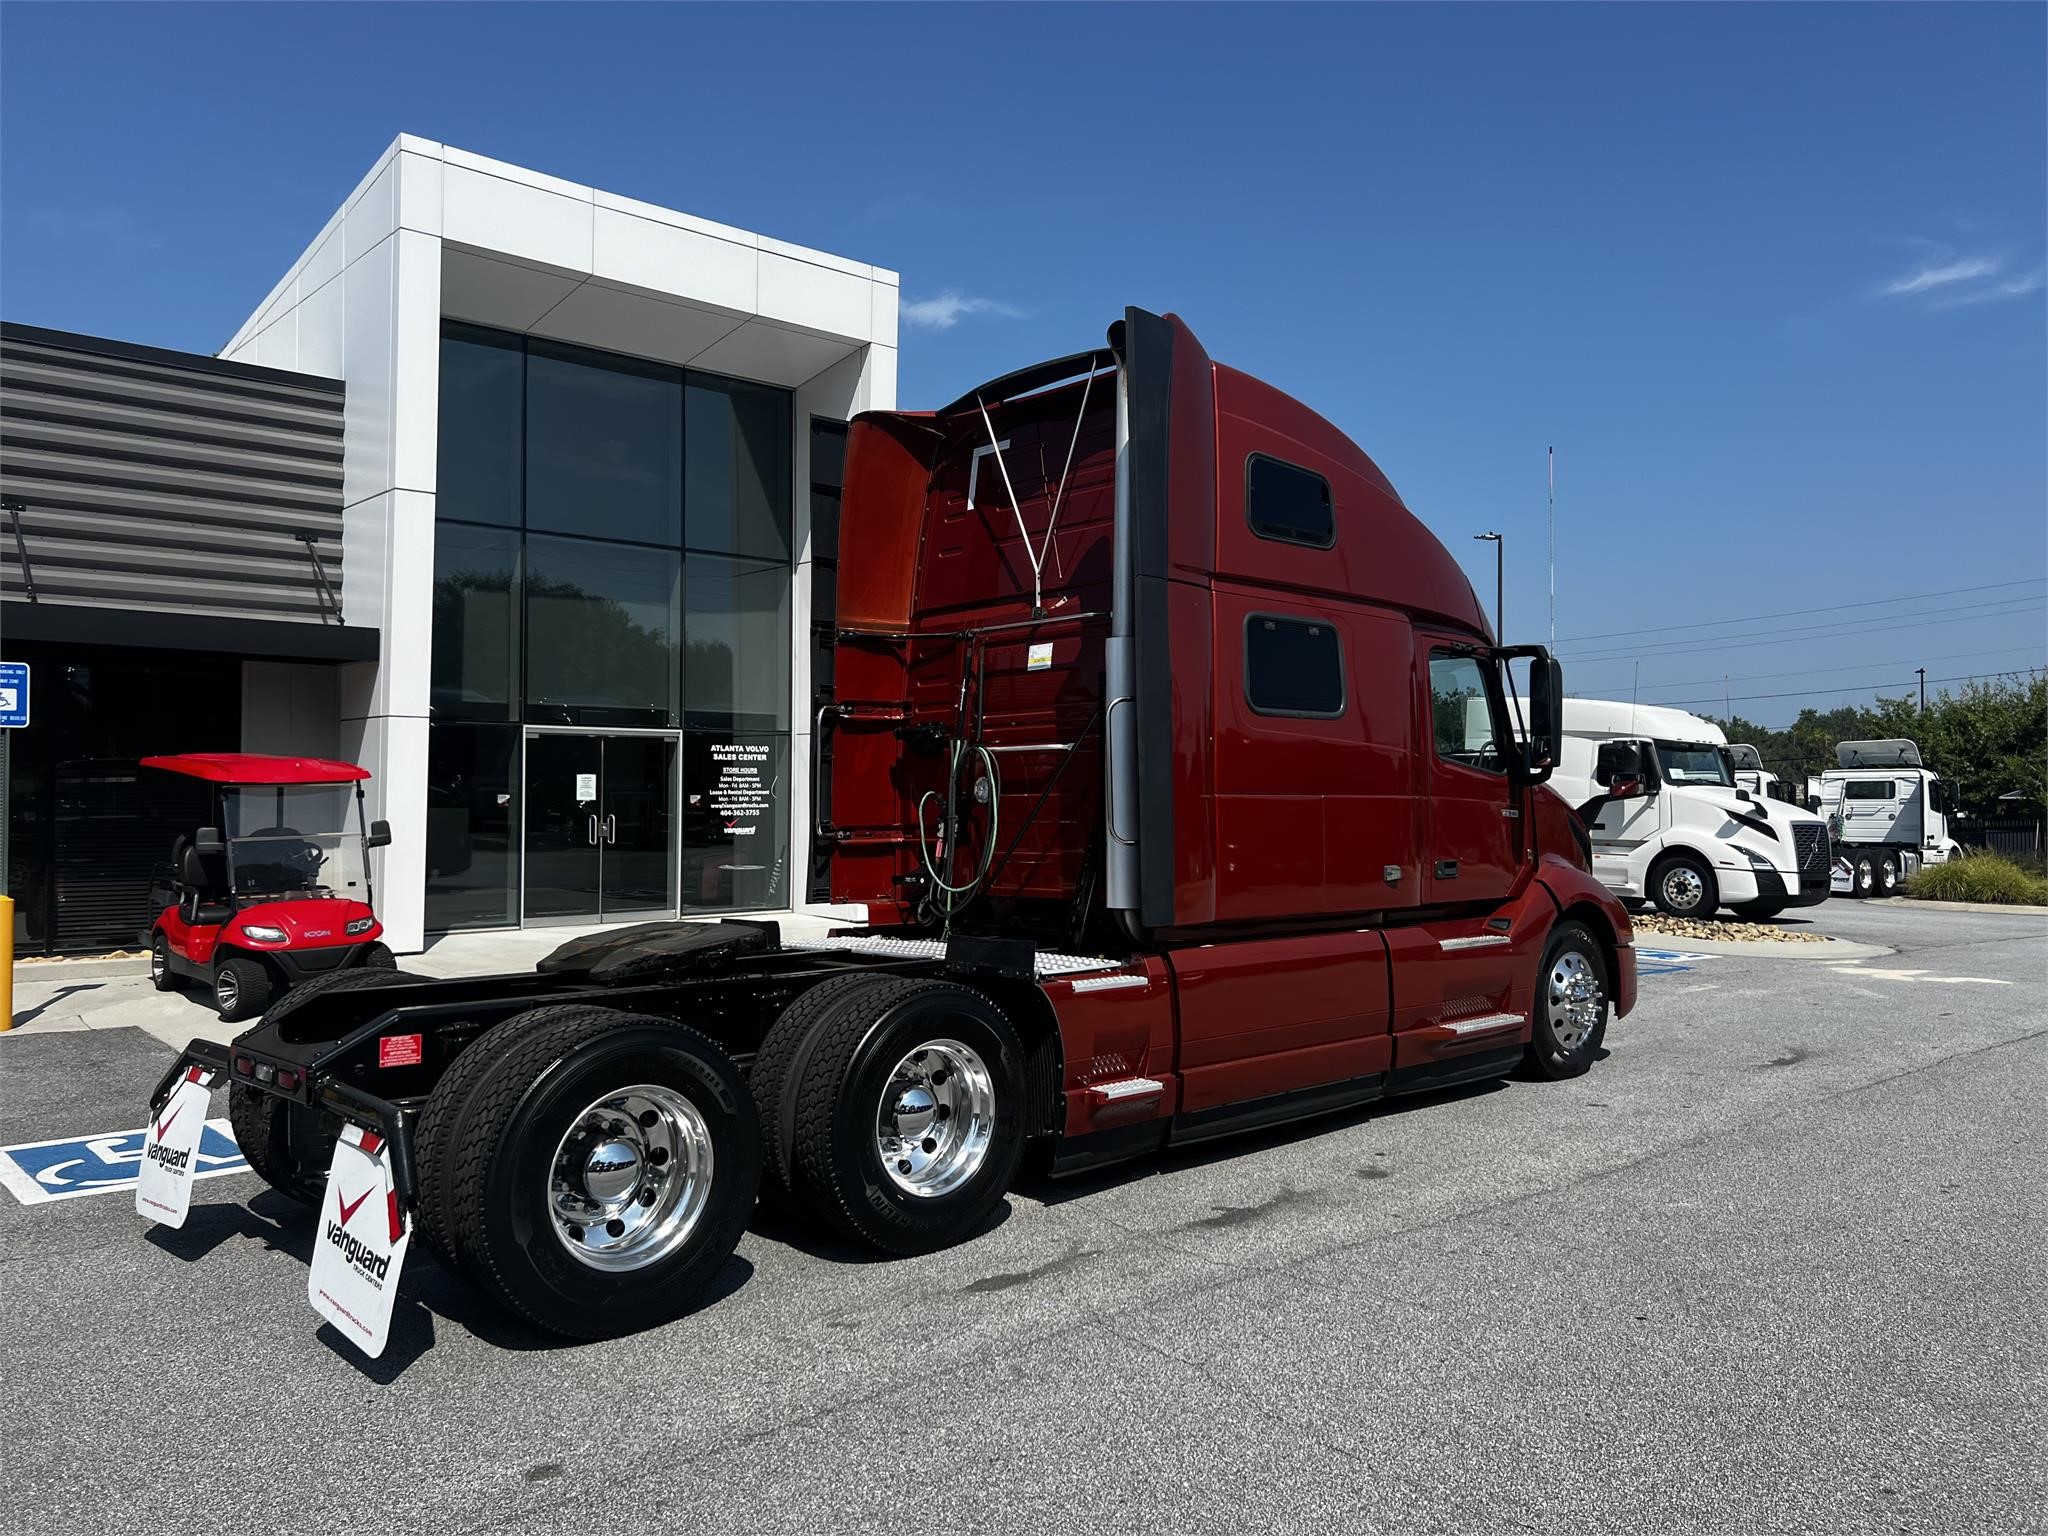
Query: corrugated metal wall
[[155, 480]]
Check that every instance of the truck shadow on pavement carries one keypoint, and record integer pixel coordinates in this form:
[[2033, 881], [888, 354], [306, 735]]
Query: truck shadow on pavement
[[1039, 1185], [426, 1293]]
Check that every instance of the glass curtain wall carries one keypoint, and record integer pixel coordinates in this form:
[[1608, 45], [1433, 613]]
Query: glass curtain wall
[[612, 553]]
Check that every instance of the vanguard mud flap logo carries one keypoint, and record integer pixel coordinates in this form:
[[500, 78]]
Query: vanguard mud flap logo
[[364, 1259], [360, 1252]]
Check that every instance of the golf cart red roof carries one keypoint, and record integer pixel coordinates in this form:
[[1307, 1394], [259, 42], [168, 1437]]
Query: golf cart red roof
[[255, 768]]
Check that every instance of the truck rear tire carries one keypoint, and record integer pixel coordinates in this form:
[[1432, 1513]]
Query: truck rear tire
[[908, 1114], [1862, 875], [1682, 885], [601, 1171], [264, 1124], [787, 1039], [1569, 1017], [1885, 878]]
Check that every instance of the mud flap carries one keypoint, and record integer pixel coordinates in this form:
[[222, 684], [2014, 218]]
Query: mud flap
[[359, 1250], [170, 1151]]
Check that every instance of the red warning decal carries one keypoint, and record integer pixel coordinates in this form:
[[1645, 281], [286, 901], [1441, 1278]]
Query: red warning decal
[[400, 1050]]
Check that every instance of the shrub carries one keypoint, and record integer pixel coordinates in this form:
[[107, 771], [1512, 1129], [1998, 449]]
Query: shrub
[[1987, 877]]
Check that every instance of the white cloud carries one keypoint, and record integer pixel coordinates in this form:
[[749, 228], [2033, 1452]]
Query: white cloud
[[1963, 270], [944, 311]]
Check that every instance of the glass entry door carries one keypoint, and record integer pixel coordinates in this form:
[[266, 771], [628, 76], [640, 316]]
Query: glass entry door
[[600, 826]]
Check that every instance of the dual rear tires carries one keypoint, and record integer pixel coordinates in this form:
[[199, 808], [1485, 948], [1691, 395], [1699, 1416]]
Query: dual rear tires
[[593, 1171], [1874, 872]]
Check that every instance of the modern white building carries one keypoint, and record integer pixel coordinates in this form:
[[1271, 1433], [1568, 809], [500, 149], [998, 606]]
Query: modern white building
[[590, 473]]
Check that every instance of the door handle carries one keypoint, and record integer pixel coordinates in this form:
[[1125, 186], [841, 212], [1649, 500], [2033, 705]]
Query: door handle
[[1447, 869], [611, 829], [593, 830]]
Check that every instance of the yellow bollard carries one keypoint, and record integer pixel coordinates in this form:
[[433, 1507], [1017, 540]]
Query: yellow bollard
[[6, 962]]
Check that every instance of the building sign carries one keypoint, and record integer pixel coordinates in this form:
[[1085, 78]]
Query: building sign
[[742, 792], [13, 695]]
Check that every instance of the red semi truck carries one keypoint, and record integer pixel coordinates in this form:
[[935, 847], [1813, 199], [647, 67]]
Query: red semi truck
[[1185, 789]]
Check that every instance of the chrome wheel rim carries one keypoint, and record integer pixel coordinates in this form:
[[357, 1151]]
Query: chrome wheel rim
[[630, 1178], [1683, 887], [1576, 1000], [1864, 877], [936, 1118], [158, 961], [226, 990]]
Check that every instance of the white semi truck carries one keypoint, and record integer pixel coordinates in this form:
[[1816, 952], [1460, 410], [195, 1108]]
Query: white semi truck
[[1669, 823], [1887, 812], [1752, 775]]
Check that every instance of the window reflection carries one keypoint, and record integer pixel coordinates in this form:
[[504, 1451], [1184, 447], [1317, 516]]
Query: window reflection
[[476, 622], [736, 673], [602, 626]]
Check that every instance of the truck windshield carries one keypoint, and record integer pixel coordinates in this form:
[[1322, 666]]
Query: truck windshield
[[293, 840], [1694, 762]]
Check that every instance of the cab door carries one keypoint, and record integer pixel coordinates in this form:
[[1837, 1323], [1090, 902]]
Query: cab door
[[1474, 838]]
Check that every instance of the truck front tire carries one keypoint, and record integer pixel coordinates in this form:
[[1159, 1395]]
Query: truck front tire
[[1568, 1019], [908, 1114], [599, 1171], [1682, 885]]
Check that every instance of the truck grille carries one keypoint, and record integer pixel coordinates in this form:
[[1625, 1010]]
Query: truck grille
[[1810, 848]]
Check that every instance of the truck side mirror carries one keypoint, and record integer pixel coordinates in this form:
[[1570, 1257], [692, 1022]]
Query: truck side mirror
[[1813, 804], [380, 835], [1546, 717], [1619, 762], [208, 840]]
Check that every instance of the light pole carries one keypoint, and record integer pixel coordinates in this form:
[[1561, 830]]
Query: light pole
[[1499, 547]]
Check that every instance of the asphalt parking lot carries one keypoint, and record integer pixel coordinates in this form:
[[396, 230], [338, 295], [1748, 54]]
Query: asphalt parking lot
[[1774, 1265]]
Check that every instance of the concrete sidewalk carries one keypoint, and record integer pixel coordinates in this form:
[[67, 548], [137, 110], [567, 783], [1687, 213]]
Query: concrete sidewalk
[[114, 992]]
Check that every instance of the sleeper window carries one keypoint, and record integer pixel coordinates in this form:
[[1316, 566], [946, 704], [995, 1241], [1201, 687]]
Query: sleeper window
[[1868, 789], [1292, 667], [1289, 504], [1461, 713]]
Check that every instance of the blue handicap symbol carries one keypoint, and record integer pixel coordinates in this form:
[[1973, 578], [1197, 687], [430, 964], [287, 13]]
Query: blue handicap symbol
[[91, 1164]]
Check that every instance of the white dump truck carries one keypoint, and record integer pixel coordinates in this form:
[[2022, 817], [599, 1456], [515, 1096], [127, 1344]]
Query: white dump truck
[[1887, 812], [1670, 825]]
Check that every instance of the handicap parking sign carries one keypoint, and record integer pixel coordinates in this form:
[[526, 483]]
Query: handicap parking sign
[[13, 695], [40, 1171]]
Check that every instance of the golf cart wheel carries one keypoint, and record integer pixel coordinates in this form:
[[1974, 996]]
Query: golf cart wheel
[[1886, 877], [1758, 911], [909, 1114], [1683, 886], [1569, 1019], [1862, 875], [601, 1171], [241, 988], [377, 956], [161, 976]]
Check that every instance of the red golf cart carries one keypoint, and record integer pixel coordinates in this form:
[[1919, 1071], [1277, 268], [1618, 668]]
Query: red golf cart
[[276, 890]]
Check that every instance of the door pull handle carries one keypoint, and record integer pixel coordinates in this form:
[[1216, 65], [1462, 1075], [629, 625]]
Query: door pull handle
[[611, 830], [593, 831], [1447, 869]]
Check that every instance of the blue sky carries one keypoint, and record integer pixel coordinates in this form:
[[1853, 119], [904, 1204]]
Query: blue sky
[[1770, 278]]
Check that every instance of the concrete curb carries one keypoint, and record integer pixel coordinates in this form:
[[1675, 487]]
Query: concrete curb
[[57, 972], [2010, 909]]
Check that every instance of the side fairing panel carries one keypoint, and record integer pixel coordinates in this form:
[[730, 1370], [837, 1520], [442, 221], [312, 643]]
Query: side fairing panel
[[1266, 1016]]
